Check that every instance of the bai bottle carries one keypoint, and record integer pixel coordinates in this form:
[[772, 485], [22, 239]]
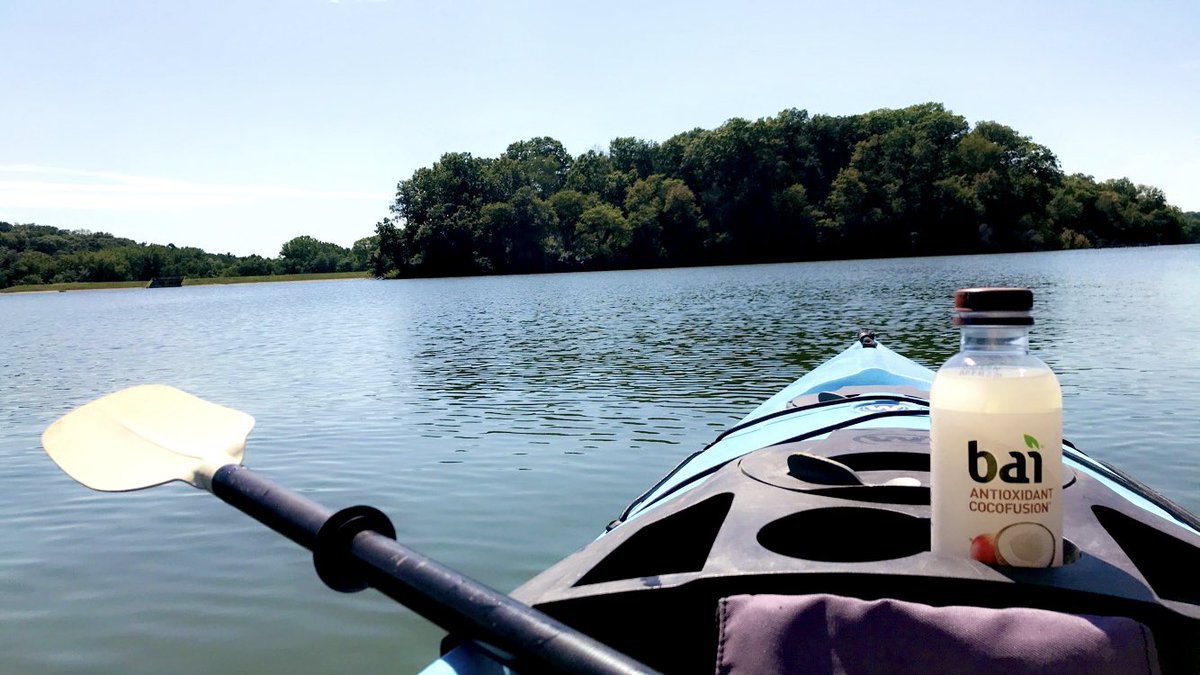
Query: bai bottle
[[996, 439]]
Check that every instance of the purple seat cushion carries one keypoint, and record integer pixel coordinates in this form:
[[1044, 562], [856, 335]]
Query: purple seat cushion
[[763, 634]]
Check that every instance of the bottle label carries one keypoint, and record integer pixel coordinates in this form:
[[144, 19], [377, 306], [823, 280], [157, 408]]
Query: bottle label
[[997, 484]]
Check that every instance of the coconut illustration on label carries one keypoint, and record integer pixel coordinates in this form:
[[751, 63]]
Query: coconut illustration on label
[[1025, 545], [1017, 545]]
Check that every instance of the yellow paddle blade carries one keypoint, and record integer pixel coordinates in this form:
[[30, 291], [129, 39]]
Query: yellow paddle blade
[[144, 436]]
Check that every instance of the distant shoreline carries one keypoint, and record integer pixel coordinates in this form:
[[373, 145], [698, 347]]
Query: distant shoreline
[[110, 285]]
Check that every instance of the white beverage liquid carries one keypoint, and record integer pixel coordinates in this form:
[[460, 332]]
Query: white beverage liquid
[[996, 464]]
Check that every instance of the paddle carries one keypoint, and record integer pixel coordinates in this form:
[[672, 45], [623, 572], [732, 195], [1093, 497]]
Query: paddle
[[153, 434]]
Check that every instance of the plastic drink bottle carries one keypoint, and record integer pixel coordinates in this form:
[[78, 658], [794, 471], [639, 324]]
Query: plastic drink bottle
[[996, 439]]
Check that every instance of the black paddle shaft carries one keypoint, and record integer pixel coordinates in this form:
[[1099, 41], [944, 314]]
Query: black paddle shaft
[[521, 637]]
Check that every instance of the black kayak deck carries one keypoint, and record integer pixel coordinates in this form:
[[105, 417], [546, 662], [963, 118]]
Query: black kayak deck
[[786, 520]]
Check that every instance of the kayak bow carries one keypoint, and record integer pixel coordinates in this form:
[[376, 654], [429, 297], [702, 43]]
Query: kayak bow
[[823, 489]]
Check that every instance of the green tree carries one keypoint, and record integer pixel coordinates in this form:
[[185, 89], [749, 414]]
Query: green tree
[[252, 266], [450, 246], [393, 255], [305, 255], [1014, 180], [736, 171], [104, 265], [594, 172], [362, 252], [665, 223], [516, 232], [796, 222], [35, 254], [1072, 211], [602, 238], [439, 208], [633, 154], [883, 197], [34, 267], [147, 262], [436, 194], [569, 207], [1115, 212], [1191, 227], [543, 164]]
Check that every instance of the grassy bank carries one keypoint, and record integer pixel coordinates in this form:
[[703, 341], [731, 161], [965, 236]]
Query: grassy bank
[[326, 276], [100, 285]]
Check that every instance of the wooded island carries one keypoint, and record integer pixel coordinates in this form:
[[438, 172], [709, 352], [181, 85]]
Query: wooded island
[[917, 181]]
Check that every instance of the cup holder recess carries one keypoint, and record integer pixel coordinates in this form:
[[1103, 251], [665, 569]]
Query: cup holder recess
[[846, 534], [856, 534]]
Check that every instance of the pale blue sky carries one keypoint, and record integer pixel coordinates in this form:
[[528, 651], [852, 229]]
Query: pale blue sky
[[237, 125]]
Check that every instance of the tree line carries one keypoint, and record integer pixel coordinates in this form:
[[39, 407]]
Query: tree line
[[40, 254], [916, 181]]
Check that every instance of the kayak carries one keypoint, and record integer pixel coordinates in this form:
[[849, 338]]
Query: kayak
[[818, 499]]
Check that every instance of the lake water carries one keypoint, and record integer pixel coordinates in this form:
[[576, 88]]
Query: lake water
[[500, 422]]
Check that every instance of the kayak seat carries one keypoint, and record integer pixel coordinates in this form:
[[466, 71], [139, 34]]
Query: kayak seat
[[765, 634]]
